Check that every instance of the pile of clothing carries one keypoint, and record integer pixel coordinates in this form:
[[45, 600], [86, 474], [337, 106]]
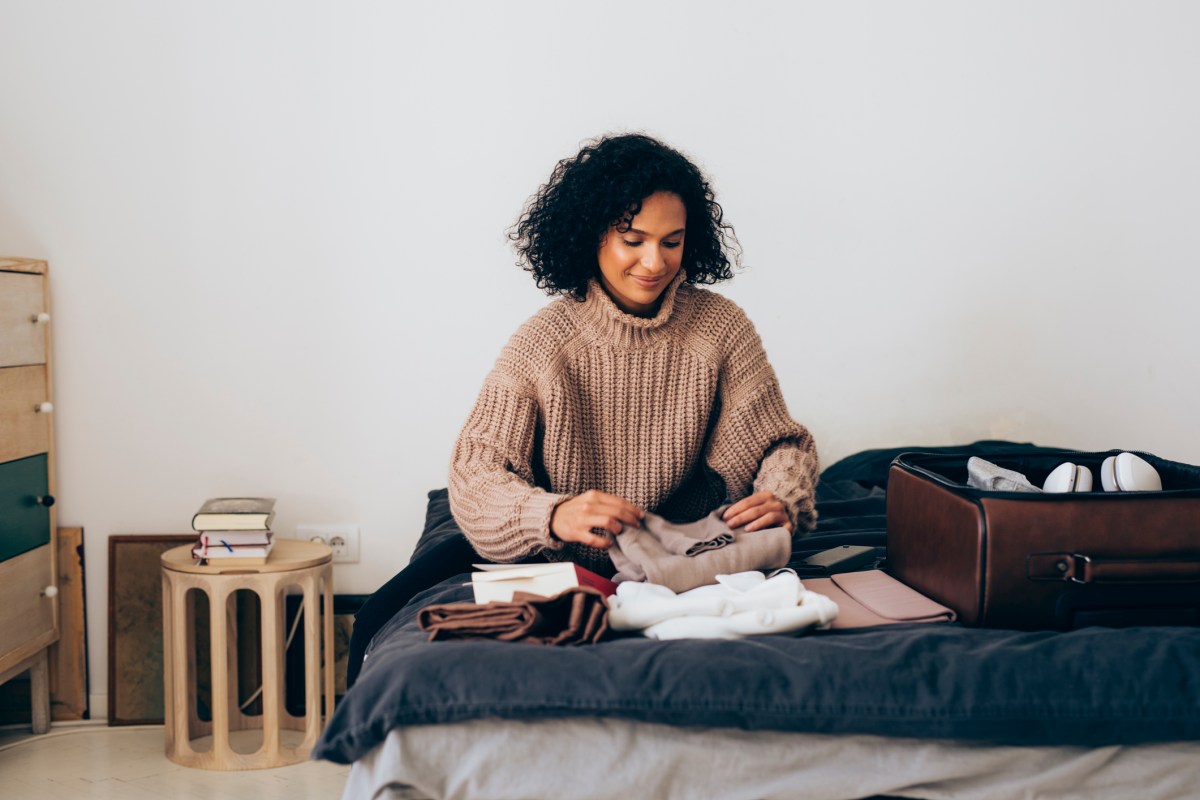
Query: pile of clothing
[[696, 580], [743, 604], [684, 556], [576, 616]]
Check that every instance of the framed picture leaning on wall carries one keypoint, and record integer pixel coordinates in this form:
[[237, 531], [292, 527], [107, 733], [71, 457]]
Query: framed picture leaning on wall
[[135, 626]]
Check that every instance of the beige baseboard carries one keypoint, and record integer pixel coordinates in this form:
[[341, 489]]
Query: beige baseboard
[[98, 706]]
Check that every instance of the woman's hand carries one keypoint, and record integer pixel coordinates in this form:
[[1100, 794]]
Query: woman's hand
[[573, 520], [758, 511]]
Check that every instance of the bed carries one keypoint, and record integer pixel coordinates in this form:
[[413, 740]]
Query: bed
[[921, 711]]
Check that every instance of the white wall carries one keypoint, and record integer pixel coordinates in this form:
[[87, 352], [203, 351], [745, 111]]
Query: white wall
[[276, 230]]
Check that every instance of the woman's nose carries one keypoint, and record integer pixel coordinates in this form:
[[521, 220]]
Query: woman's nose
[[652, 259]]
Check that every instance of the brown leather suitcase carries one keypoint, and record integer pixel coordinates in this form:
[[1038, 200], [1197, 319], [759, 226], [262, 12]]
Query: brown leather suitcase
[[1033, 561]]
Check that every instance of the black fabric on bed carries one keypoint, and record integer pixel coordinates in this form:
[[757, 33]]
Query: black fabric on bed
[[441, 551], [1090, 687]]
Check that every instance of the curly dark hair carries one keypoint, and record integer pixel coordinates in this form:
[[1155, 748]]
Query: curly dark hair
[[604, 184]]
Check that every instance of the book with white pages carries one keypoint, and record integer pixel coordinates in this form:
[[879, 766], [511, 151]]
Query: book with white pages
[[226, 553], [498, 582], [235, 514], [236, 538]]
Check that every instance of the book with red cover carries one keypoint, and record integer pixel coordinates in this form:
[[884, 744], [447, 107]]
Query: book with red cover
[[497, 582]]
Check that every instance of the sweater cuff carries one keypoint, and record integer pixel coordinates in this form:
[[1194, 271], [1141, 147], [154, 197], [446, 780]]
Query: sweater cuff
[[790, 474], [536, 512]]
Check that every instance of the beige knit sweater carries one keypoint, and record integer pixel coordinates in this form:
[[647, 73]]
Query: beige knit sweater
[[673, 413]]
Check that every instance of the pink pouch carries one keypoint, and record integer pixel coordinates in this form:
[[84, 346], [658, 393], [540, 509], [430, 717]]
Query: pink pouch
[[872, 597]]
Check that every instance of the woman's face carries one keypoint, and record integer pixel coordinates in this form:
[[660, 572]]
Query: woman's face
[[637, 265]]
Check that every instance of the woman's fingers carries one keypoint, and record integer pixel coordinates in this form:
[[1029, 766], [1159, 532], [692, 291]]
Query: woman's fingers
[[582, 518], [609, 511], [773, 519], [757, 512], [577, 519], [594, 540], [749, 508]]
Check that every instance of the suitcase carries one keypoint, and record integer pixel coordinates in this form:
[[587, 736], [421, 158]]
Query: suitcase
[[1034, 561]]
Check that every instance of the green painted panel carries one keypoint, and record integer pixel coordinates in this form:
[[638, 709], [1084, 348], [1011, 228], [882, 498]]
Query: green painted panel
[[24, 524]]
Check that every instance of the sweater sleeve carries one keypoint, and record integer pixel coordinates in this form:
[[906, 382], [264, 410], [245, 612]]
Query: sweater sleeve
[[755, 444], [493, 496]]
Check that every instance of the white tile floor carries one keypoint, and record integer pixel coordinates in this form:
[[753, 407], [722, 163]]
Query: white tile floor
[[101, 762]]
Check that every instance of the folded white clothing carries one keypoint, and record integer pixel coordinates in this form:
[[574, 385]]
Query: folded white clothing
[[985, 475], [814, 610], [636, 605], [747, 591], [639, 605]]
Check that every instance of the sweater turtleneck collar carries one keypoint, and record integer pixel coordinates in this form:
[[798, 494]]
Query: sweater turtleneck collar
[[606, 318]]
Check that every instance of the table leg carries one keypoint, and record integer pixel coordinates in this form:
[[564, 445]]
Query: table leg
[[327, 592], [221, 752], [272, 671]]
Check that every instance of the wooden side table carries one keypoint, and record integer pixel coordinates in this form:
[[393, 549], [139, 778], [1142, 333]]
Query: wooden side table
[[306, 565]]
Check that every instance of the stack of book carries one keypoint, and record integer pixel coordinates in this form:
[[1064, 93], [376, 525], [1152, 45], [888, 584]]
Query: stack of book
[[234, 530]]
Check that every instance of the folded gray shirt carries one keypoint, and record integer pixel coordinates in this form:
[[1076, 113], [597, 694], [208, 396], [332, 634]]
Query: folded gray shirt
[[986, 475], [682, 556]]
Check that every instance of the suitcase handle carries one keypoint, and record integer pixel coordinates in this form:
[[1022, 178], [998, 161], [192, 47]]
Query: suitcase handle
[[1079, 568]]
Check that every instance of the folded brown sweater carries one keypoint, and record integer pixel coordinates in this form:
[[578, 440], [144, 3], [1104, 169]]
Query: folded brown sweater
[[576, 616]]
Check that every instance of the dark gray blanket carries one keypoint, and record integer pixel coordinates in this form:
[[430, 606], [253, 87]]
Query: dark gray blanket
[[1090, 687]]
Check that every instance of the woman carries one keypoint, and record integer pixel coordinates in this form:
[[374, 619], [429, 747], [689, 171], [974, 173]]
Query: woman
[[635, 392]]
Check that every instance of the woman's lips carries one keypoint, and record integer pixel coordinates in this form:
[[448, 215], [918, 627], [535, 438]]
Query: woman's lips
[[646, 283]]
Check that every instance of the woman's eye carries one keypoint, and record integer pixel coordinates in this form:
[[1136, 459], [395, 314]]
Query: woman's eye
[[639, 244]]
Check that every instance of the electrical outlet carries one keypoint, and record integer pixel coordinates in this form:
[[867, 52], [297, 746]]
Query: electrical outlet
[[342, 539]]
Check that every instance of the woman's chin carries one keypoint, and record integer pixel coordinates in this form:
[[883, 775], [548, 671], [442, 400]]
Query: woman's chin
[[640, 302]]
